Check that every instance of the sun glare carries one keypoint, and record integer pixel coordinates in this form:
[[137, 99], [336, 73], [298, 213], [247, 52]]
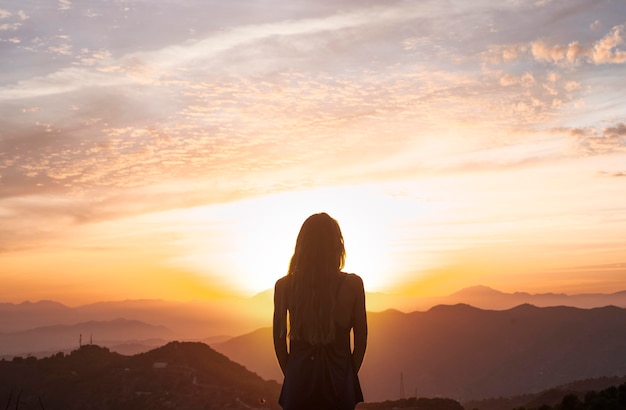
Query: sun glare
[[257, 236]]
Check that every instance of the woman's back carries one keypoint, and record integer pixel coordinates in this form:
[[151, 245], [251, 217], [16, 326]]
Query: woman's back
[[324, 376], [316, 306]]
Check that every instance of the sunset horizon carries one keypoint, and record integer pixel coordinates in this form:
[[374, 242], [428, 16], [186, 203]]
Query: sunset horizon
[[172, 150]]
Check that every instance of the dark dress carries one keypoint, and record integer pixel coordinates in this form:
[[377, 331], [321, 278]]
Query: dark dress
[[321, 377]]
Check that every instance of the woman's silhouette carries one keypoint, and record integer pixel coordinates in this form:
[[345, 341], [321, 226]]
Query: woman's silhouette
[[316, 306]]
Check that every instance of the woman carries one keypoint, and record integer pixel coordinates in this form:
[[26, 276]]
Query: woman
[[320, 305]]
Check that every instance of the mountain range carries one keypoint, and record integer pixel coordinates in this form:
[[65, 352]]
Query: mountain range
[[228, 316], [467, 353], [449, 350], [234, 316], [487, 298]]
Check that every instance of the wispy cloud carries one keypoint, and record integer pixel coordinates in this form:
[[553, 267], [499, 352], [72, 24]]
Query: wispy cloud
[[594, 141]]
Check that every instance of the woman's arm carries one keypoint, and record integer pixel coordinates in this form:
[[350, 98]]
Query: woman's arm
[[359, 325], [279, 326]]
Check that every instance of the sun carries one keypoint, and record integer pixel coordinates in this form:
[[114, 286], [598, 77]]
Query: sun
[[247, 245]]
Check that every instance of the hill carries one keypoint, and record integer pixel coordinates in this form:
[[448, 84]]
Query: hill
[[467, 353], [193, 376], [175, 376], [553, 397]]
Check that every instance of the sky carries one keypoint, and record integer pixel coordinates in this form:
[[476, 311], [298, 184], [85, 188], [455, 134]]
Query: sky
[[172, 149]]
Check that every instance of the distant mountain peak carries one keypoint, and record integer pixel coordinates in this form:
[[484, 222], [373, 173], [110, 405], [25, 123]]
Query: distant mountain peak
[[478, 290], [41, 303], [456, 308], [526, 307]]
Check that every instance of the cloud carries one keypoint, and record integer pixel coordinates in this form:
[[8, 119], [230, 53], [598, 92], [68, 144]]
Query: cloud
[[594, 141], [255, 99], [273, 46], [606, 50], [61, 82], [571, 86], [65, 5], [615, 132], [603, 51], [557, 53], [4, 14], [526, 80], [10, 27], [595, 26], [613, 174], [119, 151], [542, 3]]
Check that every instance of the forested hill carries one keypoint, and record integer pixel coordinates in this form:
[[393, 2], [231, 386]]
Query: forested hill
[[177, 375]]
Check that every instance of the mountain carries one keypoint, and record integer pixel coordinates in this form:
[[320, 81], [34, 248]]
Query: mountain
[[219, 318], [487, 298], [254, 350], [466, 353], [197, 319], [233, 316], [27, 315], [46, 327], [484, 297], [178, 375], [64, 337]]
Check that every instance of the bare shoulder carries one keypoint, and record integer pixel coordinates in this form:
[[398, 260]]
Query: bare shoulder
[[354, 281], [282, 281], [281, 284]]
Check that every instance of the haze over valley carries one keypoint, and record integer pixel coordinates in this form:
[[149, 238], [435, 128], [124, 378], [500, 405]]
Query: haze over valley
[[473, 344]]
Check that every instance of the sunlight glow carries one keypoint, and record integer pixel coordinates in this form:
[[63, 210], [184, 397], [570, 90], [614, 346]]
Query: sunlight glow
[[181, 163], [258, 235]]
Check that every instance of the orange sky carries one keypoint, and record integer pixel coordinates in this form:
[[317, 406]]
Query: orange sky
[[456, 146]]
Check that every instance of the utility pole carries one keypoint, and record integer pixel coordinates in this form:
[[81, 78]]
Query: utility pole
[[401, 385]]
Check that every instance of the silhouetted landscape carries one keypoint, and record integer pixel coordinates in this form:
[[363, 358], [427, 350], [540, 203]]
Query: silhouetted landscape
[[175, 376], [487, 359], [40, 328], [467, 353], [191, 375]]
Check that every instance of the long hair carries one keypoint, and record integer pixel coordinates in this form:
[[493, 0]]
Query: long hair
[[318, 257]]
